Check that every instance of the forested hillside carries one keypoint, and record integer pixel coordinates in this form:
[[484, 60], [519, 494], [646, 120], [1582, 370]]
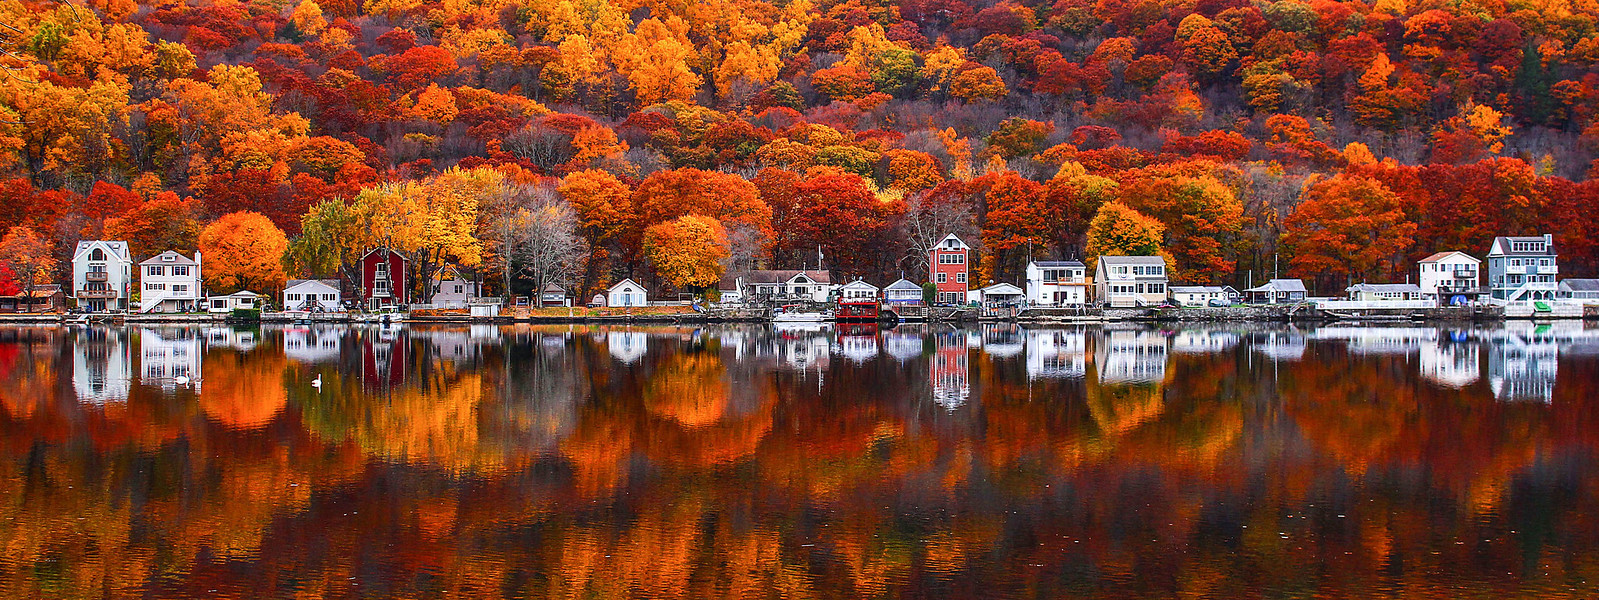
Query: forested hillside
[[673, 141]]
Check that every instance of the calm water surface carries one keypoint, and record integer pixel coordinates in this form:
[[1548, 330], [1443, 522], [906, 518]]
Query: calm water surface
[[748, 462]]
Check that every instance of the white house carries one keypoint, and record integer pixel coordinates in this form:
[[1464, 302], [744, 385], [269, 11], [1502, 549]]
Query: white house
[[1523, 268], [857, 291], [240, 300], [313, 295], [170, 283], [1057, 283], [102, 275], [781, 285], [1383, 292], [1277, 291], [729, 291], [1197, 295], [1127, 281], [997, 294], [902, 292], [1580, 289], [1450, 278], [451, 290], [627, 293]]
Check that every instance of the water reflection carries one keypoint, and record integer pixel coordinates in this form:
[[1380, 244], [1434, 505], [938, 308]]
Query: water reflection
[[815, 461]]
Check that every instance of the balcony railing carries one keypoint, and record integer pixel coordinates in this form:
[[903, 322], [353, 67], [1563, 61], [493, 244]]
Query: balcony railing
[[1465, 274], [1548, 270], [97, 294], [96, 276]]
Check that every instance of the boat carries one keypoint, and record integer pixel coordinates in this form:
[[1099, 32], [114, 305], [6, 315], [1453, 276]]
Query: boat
[[793, 314], [859, 311]]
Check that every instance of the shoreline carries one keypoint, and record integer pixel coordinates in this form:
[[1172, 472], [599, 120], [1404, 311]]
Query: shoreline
[[1031, 316]]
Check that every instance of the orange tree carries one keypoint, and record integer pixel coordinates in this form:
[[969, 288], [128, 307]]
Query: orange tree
[[1348, 226], [243, 250], [687, 251]]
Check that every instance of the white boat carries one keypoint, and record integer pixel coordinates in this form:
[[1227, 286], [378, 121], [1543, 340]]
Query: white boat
[[789, 315]]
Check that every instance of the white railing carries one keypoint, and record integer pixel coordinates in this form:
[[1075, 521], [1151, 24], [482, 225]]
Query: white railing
[[1373, 304]]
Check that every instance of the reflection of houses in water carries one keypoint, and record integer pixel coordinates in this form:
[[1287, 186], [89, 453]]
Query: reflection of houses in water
[[1523, 361], [454, 345], [1203, 341], [242, 340], [627, 346], [1131, 357], [1454, 365], [1003, 340], [1379, 340], [169, 358], [1057, 354], [102, 370], [486, 334], [948, 372], [312, 344], [858, 348], [803, 350], [385, 354], [1287, 345], [903, 345]]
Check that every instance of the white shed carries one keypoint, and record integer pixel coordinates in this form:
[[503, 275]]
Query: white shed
[[857, 291], [627, 293], [238, 300]]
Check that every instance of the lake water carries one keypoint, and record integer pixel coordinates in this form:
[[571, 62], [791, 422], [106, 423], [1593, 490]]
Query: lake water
[[750, 462]]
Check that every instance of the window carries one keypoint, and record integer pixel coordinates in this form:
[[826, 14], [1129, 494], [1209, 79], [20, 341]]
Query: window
[[97, 254], [942, 278], [1527, 247], [154, 270], [327, 297], [951, 259], [960, 278], [167, 258], [1157, 288], [1515, 262], [294, 297], [180, 288], [1543, 262], [460, 289], [180, 270]]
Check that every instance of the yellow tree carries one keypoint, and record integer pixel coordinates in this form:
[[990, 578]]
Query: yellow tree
[[243, 251], [1121, 231], [433, 223], [687, 251]]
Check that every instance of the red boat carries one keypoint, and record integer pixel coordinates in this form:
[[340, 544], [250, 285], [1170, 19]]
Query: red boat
[[858, 312]]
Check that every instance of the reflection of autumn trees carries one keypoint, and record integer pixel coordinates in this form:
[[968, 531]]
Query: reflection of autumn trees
[[540, 466]]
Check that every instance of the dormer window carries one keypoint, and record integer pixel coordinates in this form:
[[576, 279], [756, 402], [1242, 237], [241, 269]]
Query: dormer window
[[1527, 247], [167, 258], [97, 254]]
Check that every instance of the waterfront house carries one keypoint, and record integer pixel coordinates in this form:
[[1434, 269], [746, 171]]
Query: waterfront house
[[627, 293], [785, 285], [902, 292], [999, 294], [240, 300], [1450, 278], [1383, 292], [43, 299], [1197, 295], [1128, 281], [384, 279], [858, 291], [1579, 289], [170, 283], [313, 295], [102, 275], [1057, 283], [1232, 295], [451, 290], [553, 296], [946, 266], [1523, 268], [1277, 291], [729, 290]]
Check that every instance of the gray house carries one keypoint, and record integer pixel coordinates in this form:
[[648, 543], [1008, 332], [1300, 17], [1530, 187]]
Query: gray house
[[1523, 268]]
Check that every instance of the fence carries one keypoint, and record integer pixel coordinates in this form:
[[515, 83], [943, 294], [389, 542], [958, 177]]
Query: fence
[[1374, 304]]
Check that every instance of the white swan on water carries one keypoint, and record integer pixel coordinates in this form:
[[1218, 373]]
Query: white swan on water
[[317, 383]]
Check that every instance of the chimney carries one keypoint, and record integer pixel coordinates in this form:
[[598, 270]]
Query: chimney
[[1548, 239]]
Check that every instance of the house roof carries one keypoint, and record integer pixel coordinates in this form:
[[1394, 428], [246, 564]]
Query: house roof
[[1058, 263], [330, 283], [118, 249], [1001, 289], [550, 288], [1132, 260], [176, 259], [903, 284], [957, 238], [1448, 254], [1580, 285], [1391, 288], [240, 294], [1195, 289], [784, 275], [387, 251], [1502, 245], [623, 283], [858, 283], [1280, 285]]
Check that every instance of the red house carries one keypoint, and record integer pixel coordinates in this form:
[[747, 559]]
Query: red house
[[385, 279], [946, 266]]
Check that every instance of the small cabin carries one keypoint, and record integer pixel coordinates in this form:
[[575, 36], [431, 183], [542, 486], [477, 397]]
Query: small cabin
[[553, 296], [858, 291], [627, 293], [240, 300]]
